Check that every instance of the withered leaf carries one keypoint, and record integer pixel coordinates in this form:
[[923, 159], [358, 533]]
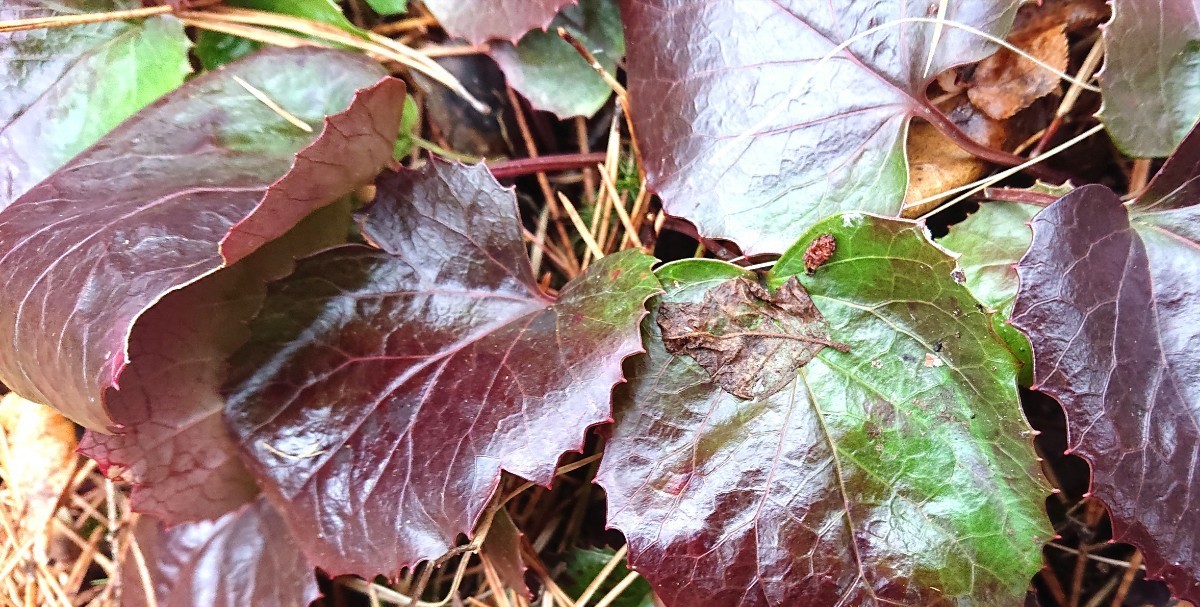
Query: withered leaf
[[751, 341], [1007, 83]]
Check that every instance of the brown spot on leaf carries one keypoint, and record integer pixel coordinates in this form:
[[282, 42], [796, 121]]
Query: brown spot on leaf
[[749, 340], [819, 252]]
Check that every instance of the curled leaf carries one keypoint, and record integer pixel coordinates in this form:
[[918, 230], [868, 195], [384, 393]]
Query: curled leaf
[[173, 445], [193, 183]]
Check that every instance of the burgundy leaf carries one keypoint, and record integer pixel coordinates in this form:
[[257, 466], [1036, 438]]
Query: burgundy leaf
[[481, 20], [1108, 298], [755, 142], [62, 88], [173, 445], [193, 183], [384, 389], [244, 558]]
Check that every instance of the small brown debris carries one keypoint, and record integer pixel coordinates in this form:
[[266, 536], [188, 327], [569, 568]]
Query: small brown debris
[[749, 340], [1006, 83], [819, 252], [933, 360]]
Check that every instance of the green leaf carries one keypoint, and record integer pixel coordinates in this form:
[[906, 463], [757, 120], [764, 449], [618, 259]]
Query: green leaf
[[409, 121], [584, 564], [388, 7], [1151, 77], [215, 49], [551, 74], [991, 242], [63, 88], [905, 459]]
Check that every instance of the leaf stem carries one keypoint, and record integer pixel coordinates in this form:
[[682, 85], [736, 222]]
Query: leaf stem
[[1040, 199], [973, 187], [947, 127], [510, 169]]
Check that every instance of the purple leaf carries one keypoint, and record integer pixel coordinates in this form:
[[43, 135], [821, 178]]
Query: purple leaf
[[755, 142], [246, 557], [62, 88], [483, 20], [1150, 79], [173, 445], [1108, 300], [193, 183], [385, 389]]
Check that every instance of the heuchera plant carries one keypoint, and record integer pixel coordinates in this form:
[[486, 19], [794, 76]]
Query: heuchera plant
[[288, 385]]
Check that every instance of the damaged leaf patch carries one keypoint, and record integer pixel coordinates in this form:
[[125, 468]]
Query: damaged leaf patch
[[751, 341]]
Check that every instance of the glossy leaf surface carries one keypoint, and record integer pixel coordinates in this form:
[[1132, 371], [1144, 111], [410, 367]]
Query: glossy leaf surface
[[900, 472], [384, 389], [551, 74], [1151, 76], [1108, 300], [173, 445], [246, 557], [756, 142], [193, 183], [62, 88], [481, 20]]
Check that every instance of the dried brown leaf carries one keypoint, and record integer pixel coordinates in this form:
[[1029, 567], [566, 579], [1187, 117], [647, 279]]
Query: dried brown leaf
[[502, 550], [1007, 83], [749, 340], [36, 463], [937, 164], [1075, 15]]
